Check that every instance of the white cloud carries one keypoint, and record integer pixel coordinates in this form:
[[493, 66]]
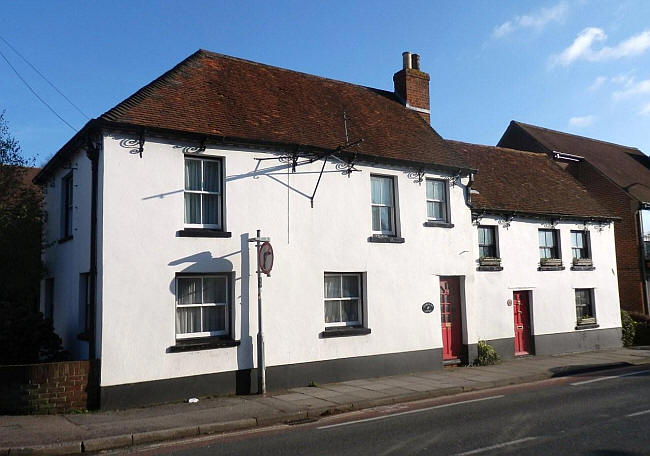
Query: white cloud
[[536, 20], [581, 121], [598, 83], [623, 79], [633, 89], [645, 110], [582, 47]]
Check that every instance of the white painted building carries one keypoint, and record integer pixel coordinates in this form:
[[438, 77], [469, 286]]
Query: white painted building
[[369, 215]]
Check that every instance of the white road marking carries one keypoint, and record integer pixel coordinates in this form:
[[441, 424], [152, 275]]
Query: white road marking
[[609, 377], [643, 412], [410, 412], [497, 446]]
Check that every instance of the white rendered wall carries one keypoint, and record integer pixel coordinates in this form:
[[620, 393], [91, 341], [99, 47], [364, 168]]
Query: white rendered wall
[[553, 292], [65, 261], [143, 210]]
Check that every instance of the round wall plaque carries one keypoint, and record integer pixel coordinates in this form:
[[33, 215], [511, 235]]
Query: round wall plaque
[[427, 307]]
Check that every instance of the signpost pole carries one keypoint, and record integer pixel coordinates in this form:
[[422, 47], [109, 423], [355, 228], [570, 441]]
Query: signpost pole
[[261, 366]]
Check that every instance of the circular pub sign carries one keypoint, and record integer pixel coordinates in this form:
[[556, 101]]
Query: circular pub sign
[[427, 307], [265, 258]]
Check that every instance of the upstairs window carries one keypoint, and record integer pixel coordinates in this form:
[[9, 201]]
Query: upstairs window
[[202, 306], [67, 185], [203, 193], [437, 200], [580, 245], [487, 243], [343, 300], [383, 205], [548, 244]]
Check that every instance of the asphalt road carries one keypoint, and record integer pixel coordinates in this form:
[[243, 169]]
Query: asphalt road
[[604, 415]]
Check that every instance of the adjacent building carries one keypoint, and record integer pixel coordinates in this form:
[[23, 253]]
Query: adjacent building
[[395, 250], [619, 178]]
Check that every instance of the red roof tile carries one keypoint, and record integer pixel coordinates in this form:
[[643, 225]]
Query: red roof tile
[[525, 182], [628, 167], [214, 94]]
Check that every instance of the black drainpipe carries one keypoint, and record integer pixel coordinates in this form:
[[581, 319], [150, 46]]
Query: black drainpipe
[[93, 154]]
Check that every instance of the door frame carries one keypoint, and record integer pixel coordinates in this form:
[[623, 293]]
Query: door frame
[[531, 339], [462, 354]]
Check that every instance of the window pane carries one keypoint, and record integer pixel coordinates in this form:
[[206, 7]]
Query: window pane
[[189, 291], [542, 238], [438, 190], [211, 176], [192, 208], [332, 311], [214, 318], [489, 236], [375, 183], [350, 310], [550, 239], [387, 191], [210, 209], [430, 191], [385, 218], [350, 287], [214, 290], [481, 236], [332, 286], [579, 240], [375, 219], [192, 174], [188, 320]]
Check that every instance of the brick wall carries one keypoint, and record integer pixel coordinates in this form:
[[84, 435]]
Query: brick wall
[[48, 387], [628, 254], [413, 87]]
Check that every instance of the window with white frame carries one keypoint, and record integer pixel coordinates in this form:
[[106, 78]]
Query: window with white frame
[[202, 305], [343, 299], [437, 200], [203, 193], [580, 245], [548, 244], [585, 306], [67, 206], [383, 204]]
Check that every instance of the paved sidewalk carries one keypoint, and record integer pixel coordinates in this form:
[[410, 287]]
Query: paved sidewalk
[[74, 433]]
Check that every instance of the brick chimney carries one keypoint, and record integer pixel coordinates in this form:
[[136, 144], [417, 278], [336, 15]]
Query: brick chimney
[[412, 85]]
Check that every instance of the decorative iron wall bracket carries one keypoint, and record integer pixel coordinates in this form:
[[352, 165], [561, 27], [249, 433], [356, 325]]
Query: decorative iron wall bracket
[[416, 176], [506, 220]]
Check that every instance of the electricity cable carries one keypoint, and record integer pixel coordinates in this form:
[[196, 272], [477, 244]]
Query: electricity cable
[[44, 78], [34, 92]]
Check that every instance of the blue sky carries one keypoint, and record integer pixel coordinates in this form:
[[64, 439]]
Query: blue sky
[[573, 65]]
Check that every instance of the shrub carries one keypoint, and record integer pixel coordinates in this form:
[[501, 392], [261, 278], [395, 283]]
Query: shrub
[[487, 355], [642, 328], [26, 337], [628, 328]]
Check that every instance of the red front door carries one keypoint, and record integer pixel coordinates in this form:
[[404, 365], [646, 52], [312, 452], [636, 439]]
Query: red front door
[[452, 335], [521, 310]]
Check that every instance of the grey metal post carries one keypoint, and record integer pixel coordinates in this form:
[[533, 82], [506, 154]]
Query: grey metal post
[[261, 366]]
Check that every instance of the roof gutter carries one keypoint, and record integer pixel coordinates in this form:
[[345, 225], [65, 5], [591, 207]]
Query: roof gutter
[[544, 215], [96, 124]]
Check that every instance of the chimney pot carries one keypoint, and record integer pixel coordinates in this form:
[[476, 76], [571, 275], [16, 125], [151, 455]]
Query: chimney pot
[[415, 61], [406, 60]]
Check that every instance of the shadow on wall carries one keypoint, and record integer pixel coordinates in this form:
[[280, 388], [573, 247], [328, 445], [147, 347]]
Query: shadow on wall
[[204, 262]]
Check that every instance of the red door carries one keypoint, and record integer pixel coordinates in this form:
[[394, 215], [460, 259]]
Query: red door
[[452, 335], [521, 310]]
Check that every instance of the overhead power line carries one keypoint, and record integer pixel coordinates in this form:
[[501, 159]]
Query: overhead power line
[[44, 78], [34, 92]]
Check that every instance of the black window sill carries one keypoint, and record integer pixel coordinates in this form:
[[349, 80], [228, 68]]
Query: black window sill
[[64, 239], [589, 326], [551, 268], [203, 232], [201, 343], [490, 268], [582, 268], [344, 332], [384, 239], [439, 224]]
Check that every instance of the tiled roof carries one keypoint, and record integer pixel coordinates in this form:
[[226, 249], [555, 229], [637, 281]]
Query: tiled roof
[[628, 167], [525, 182], [218, 95]]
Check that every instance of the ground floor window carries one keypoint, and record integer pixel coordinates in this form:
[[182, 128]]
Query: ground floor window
[[343, 299], [585, 306], [202, 305]]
